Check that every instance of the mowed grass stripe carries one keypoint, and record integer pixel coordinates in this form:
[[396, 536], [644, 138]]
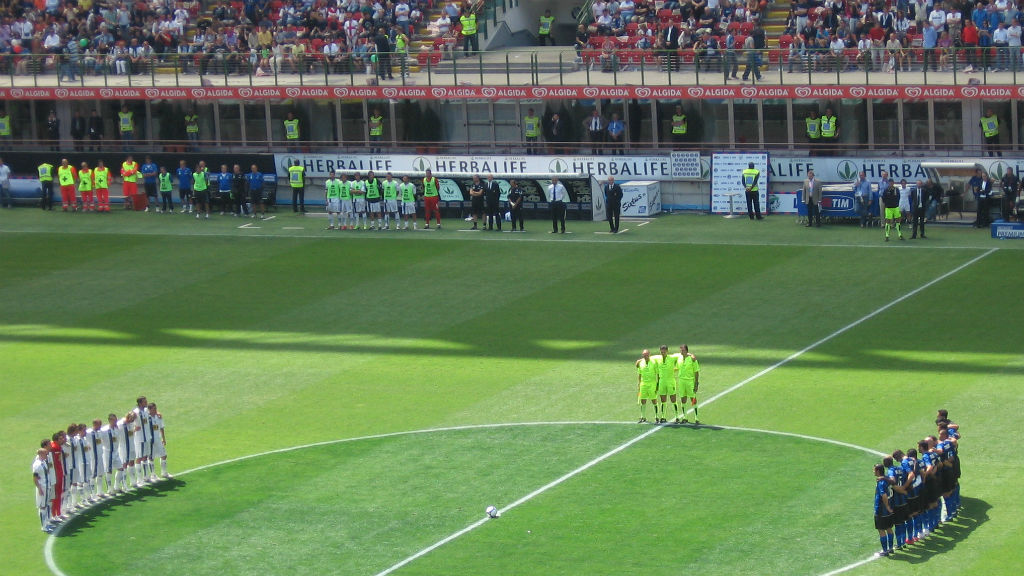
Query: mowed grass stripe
[[351, 506], [691, 500]]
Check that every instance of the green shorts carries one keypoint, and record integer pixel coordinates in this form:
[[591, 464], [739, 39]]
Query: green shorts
[[667, 388], [648, 391], [892, 213], [685, 389]]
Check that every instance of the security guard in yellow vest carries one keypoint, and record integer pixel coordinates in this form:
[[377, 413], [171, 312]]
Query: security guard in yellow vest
[[297, 181], [678, 125], [46, 186], [291, 132], [126, 124], [813, 127], [544, 34], [376, 130], [751, 187], [531, 131], [469, 36], [990, 128], [829, 131], [5, 130], [192, 129]]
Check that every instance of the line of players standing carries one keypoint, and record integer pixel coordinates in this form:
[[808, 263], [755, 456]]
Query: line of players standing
[[912, 489], [83, 465]]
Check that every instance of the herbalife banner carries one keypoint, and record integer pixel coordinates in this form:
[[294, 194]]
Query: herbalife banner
[[677, 166], [726, 181], [784, 172]]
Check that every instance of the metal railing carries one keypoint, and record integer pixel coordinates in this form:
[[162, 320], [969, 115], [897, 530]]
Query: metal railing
[[566, 67]]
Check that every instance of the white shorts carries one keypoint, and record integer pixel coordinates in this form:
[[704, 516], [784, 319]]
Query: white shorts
[[373, 207], [409, 208], [391, 206], [346, 206], [141, 446], [112, 461], [78, 473], [128, 453], [359, 205], [333, 205], [159, 450]]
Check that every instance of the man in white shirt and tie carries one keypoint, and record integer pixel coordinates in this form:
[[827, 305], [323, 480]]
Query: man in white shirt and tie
[[556, 198], [595, 125]]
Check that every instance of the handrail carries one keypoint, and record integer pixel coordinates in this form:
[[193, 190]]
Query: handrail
[[593, 66]]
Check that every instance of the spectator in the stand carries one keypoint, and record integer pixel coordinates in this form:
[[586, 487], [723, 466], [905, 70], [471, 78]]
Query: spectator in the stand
[[670, 43], [1013, 41], [894, 52], [864, 52], [929, 43], [556, 133], [945, 50], [753, 59], [797, 54], [53, 130], [582, 38], [1000, 41], [969, 39]]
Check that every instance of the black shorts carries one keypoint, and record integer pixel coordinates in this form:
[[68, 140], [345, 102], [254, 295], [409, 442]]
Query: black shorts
[[901, 513], [477, 204], [150, 188], [883, 522], [956, 467], [184, 192], [202, 197], [913, 505], [948, 477], [932, 490]]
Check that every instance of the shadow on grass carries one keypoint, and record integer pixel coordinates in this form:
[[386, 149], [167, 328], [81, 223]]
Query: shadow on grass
[[85, 519], [973, 513]]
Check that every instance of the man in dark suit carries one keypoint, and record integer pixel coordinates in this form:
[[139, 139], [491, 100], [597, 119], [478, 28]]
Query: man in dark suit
[[556, 132], [78, 129], [919, 199], [613, 203], [812, 198], [492, 196], [670, 43], [595, 126]]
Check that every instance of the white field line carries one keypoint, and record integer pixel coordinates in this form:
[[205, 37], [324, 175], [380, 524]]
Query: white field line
[[729, 390], [48, 548]]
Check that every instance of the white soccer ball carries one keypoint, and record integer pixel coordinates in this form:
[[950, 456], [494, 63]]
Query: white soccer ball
[[492, 512]]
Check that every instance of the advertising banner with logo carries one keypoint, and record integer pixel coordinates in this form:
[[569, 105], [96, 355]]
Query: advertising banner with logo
[[726, 178], [641, 198], [785, 169], [1005, 230], [622, 167], [989, 92], [598, 208]]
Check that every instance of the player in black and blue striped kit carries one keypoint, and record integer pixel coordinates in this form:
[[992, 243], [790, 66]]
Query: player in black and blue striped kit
[[913, 470], [883, 511], [897, 476]]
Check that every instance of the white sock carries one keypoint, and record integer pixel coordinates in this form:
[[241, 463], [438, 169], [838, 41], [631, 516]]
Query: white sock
[[163, 466]]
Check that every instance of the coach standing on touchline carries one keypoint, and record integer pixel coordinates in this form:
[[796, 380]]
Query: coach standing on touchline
[[556, 196]]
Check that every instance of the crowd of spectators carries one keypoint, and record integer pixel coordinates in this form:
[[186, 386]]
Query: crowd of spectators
[[895, 35], [818, 35], [260, 36]]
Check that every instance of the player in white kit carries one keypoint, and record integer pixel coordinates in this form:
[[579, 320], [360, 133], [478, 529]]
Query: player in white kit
[[407, 197], [128, 453], [101, 478], [114, 459], [44, 480], [143, 435], [156, 419]]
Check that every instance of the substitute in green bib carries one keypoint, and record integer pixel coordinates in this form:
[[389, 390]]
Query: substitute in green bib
[[547, 22], [46, 185], [407, 195], [201, 189], [647, 384], [389, 188], [165, 187], [333, 194], [297, 182], [990, 129], [345, 198], [373, 200], [531, 131]]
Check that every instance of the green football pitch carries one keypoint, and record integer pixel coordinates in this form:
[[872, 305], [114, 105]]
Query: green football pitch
[[350, 402]]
